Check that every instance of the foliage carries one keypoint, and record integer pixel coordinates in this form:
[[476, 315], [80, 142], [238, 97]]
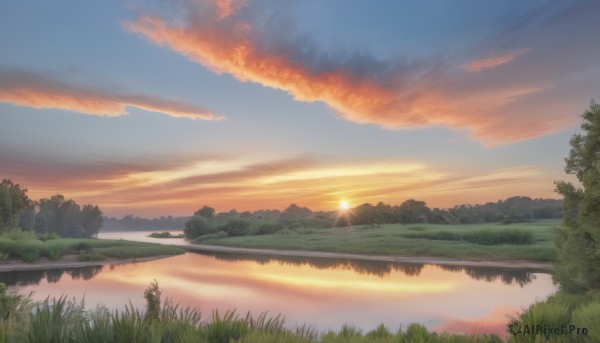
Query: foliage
[[205, 212], [266, 229], [578, 267], [393, 239], [63, 320], [152, 295], [236, 228], [13, 202], [66, 218], [14, 315], [197, 227], [485, 237], [30, 250]]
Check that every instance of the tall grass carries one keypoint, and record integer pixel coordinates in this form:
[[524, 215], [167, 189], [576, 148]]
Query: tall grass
[[484, 237], [65, 320], [25, 246], [14, 315]]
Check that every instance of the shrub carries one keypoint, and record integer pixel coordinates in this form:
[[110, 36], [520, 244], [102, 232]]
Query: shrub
[[218, 235], [48, 236], [196, 227], [267, 229], [236, 228]]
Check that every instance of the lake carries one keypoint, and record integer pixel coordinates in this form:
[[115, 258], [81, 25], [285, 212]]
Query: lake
[[323, 293]]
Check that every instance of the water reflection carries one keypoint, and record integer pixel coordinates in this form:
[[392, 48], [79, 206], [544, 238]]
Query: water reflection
[[363, 267], [34, 277], [382, 269], [324, 293]]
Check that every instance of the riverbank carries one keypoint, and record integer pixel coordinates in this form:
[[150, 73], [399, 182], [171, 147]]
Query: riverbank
[[513, 264], [68, 261]]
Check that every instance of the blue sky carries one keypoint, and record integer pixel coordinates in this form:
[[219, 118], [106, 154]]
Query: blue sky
[[156, 108]]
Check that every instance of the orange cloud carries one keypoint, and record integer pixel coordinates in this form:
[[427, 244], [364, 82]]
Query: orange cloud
[[360, 88], [225, 8], [493, 61], [181, 185], [41, 91]]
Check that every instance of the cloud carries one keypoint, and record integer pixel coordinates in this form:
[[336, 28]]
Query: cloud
[[39, 90], [395, 93], [225, 8], [178, 185], [493, 61]]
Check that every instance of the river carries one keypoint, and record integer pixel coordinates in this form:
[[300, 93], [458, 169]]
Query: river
[[323, 293]]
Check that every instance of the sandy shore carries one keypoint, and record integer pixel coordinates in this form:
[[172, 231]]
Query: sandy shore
[[512, 264], [67, 261]]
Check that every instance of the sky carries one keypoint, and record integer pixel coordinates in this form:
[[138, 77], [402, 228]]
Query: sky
[[159, 107]]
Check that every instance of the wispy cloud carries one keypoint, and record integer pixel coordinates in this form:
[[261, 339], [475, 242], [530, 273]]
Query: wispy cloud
[[493, 61], [40, 90], [180, 185], [394, 93]]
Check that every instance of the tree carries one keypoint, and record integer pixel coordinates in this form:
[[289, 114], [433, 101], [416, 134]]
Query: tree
[[205, 212], [91, 220], [196, 227], [13, 202], [236, 227], [578, 267], [413, 211]]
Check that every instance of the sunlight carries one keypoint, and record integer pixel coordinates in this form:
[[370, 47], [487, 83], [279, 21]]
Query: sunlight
[[344, 205]]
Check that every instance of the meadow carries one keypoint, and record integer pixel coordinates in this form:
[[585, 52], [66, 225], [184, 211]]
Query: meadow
[[524, 241], [29, 247]]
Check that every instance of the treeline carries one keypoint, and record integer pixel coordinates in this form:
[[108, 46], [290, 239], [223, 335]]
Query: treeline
[[516, 209], [209, 224], [54, 215]]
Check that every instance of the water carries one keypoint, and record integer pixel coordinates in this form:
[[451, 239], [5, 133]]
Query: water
[[323, 293]]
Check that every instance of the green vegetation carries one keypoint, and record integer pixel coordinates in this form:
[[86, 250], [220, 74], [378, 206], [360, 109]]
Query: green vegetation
[[485, 237], [66, 320], [55, 215], [26, 246], [164, 234], [526, 241], [577, 269]]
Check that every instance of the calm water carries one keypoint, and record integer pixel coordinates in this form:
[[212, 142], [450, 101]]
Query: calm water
[[324, 293]]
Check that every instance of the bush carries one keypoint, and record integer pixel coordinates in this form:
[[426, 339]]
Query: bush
[[267, 229], [86, 256], [218, 235], [236, 228], [197, 227], [48, 236]]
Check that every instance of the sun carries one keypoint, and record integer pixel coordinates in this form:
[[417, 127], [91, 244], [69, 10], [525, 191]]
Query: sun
[[344, 205]]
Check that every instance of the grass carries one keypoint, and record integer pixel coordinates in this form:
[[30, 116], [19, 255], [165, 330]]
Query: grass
[[527, 241], [564, 311], [66, 320], [164, 234], [27, 247]]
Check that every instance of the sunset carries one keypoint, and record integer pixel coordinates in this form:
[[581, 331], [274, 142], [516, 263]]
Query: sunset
[[343, 153], [156, 109]]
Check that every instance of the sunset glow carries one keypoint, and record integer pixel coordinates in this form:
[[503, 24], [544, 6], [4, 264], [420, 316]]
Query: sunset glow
[[158, 109]]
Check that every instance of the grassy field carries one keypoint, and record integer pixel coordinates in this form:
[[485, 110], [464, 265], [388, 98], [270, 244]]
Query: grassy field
[[29, 248], [525, 241]]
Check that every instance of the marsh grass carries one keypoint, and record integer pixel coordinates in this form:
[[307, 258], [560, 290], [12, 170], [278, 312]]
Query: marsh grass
[[528, 241], [66, 320], [25, 246], [514, 236]]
